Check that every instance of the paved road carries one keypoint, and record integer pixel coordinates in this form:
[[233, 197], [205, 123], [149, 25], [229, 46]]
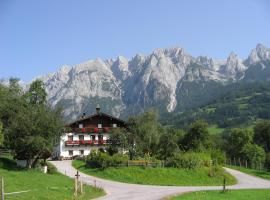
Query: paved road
[[125, 191]]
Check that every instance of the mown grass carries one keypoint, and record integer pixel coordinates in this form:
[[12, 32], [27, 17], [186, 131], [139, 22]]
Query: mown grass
[[42, 186], [157, 176], [214, 130], [251, 194], [254, 172]]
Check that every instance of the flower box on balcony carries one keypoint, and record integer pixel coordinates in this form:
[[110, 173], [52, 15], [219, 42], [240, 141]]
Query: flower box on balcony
[[88, 130], [89, 142], [106, 129], [83, 130], [101, 142], [95, 130], [82, 142]]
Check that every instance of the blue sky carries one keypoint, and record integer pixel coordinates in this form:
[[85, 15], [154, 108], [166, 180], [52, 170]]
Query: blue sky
[[37, 37]]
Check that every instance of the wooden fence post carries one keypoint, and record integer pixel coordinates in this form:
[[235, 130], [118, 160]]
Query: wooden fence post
[[75, 187], [81, 184], [2, 189], [234, 161]]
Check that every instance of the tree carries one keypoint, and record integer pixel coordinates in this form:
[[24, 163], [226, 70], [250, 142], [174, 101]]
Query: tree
[[32, 128], [236, 139], [1, 135], [167, 145], [117, 141], [254, 154], [37, 94], [14, 86], [145, 132], [197, 136], [262, 134]]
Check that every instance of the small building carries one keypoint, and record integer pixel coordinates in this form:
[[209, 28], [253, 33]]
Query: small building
[[85, 134]]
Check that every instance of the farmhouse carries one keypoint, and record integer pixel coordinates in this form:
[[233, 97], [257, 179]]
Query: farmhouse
[[85, 134]]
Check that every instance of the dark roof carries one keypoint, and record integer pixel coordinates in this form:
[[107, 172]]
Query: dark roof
[[94, 115]]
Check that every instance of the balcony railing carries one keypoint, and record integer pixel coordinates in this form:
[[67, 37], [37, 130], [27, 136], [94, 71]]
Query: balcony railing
[[92, 130], [85, 142]]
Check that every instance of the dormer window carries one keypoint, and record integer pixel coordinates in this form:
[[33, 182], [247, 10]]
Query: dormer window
[[80, 125], [99, 125]]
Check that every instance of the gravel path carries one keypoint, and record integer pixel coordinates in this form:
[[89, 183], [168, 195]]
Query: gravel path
[[126, 191]]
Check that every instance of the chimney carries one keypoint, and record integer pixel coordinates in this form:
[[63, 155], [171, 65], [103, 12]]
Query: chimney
[[97, 108]]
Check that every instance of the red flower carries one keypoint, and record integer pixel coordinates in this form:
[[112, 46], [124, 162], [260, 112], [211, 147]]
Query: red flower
[[95, 130]]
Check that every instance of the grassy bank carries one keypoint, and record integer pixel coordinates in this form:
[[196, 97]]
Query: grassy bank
[[42, 186], [157, 176], [229, 195], [261, 174]]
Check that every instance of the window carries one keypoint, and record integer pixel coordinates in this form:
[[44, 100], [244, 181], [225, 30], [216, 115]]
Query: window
[[99, 125], [70, 152], [70, 138], [114, 125], [80, 125], [100, 137], [81, 137], [93, 137], [82, 152]]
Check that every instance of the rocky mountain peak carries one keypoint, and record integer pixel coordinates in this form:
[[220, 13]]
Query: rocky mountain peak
[[143, 81], [258, 54]]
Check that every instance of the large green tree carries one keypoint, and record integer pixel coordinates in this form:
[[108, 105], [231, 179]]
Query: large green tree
[[31, 127], [118, 141], [236, 139], [145, 131], [168, 144], [197, 136], [254, 154], [262, 134]]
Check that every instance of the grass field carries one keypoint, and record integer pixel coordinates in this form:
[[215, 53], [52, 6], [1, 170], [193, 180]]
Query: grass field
[[262, 174], [213, 130], [42, 186], [254, 194], [157, 176]]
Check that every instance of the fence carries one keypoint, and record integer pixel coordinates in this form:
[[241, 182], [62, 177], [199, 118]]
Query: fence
[[131, 163], [245, 163]]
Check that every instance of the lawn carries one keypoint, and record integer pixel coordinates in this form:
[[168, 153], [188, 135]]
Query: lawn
[[254, 194], [42, 186], [157, 176], [262, 174]]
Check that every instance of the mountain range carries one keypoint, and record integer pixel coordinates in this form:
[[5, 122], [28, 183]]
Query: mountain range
[[170, 80]]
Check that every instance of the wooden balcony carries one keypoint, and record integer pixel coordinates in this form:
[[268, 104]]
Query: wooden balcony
[[85, 142], [92, 130]]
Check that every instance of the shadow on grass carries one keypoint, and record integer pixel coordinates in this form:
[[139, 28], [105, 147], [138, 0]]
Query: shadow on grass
[[8, 164]]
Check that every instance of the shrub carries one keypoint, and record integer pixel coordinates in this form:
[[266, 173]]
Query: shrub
[[214, 171], [189, 160], [103, 160], [51, 168], [218, 157]]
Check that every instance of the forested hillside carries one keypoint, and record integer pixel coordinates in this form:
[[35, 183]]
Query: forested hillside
[[232, 105]]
